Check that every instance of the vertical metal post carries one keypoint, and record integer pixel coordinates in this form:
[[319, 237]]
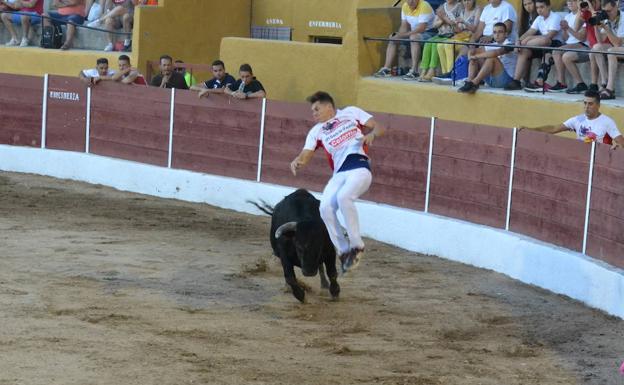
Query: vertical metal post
[[261, 141], [511, 175], [88, 121], [589, 190], [171, 113], [44, 110], [431, 133]]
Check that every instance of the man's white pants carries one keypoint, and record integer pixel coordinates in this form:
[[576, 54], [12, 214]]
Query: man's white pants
[[340, 194]]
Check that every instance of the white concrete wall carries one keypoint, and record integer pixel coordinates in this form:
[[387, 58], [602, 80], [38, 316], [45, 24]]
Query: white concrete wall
[[559, 270]]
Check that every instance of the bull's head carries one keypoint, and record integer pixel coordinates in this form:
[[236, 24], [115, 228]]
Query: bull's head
[[309, 238]]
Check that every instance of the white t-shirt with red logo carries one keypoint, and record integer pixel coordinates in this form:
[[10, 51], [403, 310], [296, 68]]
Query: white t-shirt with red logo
[[601, 129], [340, 136]]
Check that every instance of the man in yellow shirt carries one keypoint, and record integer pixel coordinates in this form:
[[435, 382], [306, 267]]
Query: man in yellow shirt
[[416, 24]]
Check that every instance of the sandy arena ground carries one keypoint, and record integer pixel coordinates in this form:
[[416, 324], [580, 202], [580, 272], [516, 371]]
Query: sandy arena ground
[[105, 287]]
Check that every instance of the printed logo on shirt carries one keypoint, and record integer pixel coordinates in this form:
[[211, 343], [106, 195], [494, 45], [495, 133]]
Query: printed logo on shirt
[[343, 138]]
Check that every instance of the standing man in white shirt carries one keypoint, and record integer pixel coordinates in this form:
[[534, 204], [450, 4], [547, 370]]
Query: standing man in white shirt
[[591, 126], [345, 136], [548, 24]]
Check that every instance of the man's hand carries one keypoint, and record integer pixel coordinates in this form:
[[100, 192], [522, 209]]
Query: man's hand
[[203, 93], [165, 80], [369, 138], [564, 25], [239, 95], [295, 165]]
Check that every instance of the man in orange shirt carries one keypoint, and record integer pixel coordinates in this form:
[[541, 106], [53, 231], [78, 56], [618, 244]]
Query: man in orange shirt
[[68, 12]]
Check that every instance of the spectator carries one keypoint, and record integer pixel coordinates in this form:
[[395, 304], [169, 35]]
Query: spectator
[[217, 84], [94, 75], [416, 22], [611, 32], [573, 33], [528, 16], [188, 77], [570, 59], [247, 86], [445, 21], [464, 28], [168, 78], [121, 15], [68, 12], [587, 11], [495, 65], [592, 126], [127, 74], [548, 24], [34, 9]]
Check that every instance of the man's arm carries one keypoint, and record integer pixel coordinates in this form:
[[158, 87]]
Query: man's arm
[[420, 28], [613, 38], [199, 87], [301, 160], [86, 79], [478, 32], [257, 94], [618, 141], [130, 78], [404, 31], [374, 129], [551, 129], [488, 54]]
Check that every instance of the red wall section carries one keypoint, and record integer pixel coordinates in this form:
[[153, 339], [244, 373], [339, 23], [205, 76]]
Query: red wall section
[[217, 135], [130, 122], [606, 218], [20, 110], [399, 161], [285, 130], [550, 188], [67, 104], [470, 172]]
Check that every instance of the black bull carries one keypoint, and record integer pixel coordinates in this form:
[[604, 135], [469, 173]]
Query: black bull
[[299, 238]]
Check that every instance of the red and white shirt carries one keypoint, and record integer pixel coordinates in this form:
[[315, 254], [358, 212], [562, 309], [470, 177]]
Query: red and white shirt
[[601, 129], [340, 136]]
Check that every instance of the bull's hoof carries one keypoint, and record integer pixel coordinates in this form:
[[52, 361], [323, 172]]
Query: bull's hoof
[[334, 290], [299, 293]]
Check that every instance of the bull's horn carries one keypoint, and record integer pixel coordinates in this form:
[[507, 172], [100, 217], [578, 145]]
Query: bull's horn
[[288, 226]]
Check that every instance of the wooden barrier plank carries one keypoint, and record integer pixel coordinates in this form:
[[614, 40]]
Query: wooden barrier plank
[[553, 145], [469, 211], [474, 133], [609, 158], [206, 163], [20, 110], [396, 196], [550, 187], [606, 250], [216, 149], [128, 152], [548, 164], [545, 230], [210, 132], [607, 226], [477, 152], [553, 210], [469, 170], [66, 117], [607, 202], [470, 191], [218, 102], [605, 176]]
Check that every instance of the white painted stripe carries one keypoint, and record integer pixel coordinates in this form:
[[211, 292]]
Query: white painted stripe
[[528, 260], [44, 110], [589, 190], [88, 121], [170, 151], [261, 146], [512, 167], [431, 133]]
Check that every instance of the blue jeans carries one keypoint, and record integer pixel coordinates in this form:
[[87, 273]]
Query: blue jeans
[[63, 19]]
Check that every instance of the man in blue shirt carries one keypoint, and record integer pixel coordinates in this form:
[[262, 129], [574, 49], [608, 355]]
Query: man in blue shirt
[[217, 84]]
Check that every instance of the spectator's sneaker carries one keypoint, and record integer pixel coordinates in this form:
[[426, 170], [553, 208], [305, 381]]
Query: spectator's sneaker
[[578, 89], [383, 73], [12, 43], [411, 75], [127, 46], [593, 87], [536, 87], [558, 88], [109, 47], [468, 88], [24, 42], [513, 85], [443, 79], [95, 23]]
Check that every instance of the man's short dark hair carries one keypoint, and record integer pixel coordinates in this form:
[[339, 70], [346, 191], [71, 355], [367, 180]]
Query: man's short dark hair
[[499, 24], [125, 58], [101, 60], [593, 94], [547, 2], [322, 97], [612, 2], [218, 63], [166, 57], [245, 68]]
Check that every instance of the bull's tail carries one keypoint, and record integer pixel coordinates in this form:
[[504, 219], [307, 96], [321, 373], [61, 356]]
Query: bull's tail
[[264, 207]]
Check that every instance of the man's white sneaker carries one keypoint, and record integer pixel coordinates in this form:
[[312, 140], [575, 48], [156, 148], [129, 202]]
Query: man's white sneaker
[[94, 24], [109, 47], [12, 43], [24, 43]]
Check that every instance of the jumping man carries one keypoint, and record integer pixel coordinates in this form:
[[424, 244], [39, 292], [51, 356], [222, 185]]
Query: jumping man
[[345, 135]]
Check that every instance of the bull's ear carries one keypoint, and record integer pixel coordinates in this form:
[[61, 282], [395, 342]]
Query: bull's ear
[[288, 229]]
